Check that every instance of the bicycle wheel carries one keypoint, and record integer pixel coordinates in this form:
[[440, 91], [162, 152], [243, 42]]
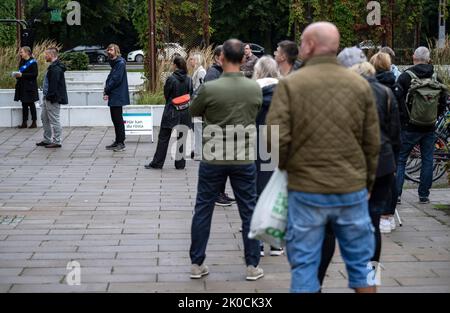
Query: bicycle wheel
[[414, 161], [441, 157], [441, 150]]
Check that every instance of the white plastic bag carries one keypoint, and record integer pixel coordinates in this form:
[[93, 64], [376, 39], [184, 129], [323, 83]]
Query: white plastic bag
[[270, 216]]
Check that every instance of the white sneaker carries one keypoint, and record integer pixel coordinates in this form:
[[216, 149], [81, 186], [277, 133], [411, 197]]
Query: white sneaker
[[392, 221], [254, 273], [276, 251], [198, 271], [385, 226]]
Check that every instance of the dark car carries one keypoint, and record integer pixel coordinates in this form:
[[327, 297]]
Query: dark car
[[96, 54], [257, 50]]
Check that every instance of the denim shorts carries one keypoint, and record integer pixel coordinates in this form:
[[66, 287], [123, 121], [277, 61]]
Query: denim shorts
[[349, 216]]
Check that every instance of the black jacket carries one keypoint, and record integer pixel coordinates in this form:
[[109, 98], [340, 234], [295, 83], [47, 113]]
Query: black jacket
[[263, 177], [389, 120], [177, 84], [26, 86], [57, 92], [116, 86], [213, 73], [387, 79], [401, 91]]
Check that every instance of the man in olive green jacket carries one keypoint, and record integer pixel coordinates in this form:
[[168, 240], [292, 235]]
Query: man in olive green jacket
[[229, 106], [328, 144]]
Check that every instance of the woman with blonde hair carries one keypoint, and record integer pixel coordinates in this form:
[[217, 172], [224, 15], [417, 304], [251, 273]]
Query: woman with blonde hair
[[384, 189], [382, 64], [267, 75], [196, 63]]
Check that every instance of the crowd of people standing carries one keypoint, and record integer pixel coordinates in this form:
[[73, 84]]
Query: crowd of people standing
[[346, 128]]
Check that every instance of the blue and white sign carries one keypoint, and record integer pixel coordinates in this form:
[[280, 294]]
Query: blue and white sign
[[138, 123]]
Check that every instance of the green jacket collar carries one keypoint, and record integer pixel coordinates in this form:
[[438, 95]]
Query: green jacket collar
[[238, 74], [326, 59]]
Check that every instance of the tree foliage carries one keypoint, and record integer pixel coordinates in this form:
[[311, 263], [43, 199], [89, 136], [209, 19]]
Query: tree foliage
[[98, 17], [177, 21], [7, 31]]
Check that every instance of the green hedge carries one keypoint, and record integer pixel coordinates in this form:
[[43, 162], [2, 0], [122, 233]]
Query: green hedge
[[75, 61]]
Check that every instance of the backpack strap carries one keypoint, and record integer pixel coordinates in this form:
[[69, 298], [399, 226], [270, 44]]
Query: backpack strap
[[412, 75], [435, 77]]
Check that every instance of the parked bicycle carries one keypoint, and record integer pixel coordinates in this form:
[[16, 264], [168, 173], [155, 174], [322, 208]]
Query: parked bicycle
[[441, 155]]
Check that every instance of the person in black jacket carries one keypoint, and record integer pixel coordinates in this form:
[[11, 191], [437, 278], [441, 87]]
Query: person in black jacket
[[382, 63], [55, 94], [177, 84], [26, 86], [267, 75], [117, 95], [389, 119], [381, 195], [213, 73], [414, 134], [384, 75], [215, 70]]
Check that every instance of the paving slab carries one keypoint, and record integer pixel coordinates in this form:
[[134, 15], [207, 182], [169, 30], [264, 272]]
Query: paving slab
[[129, 228]]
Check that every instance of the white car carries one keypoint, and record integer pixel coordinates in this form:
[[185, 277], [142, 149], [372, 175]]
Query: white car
[[169, 51], [136, 56]]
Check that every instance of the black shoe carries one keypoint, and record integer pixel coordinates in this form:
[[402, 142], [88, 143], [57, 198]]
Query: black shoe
[[424, 200], [53, 145], [221, 201], [151, 166], [276, 251], [42, 144], [111, 146], [229, 199], [119, 148]]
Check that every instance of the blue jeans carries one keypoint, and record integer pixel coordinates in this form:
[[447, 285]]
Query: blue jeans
[[426, 142], [211, 179], [348, 214]]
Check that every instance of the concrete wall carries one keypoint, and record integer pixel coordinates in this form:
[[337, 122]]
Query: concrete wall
[[134, 78], [92, 97], [73, 116], [87, 80], [86, 105]]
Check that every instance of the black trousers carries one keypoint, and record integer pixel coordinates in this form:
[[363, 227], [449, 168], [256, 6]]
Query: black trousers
[[119, 126], [163, 144], [25, 107]]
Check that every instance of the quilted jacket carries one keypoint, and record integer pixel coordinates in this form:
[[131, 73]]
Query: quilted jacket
[[328, 123]]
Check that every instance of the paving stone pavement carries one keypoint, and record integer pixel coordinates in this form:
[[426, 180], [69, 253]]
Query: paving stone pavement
[[129, 228]]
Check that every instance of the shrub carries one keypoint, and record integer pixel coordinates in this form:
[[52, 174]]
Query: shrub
[[441, 59], [75, 61], [145, 97], [9, 62]]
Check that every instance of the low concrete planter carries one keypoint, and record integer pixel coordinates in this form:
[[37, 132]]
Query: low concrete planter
[[79, 116], [87, 97]]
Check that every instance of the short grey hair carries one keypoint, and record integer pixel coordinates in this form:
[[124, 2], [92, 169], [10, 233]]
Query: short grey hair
[[266, 67], [422, 54]]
